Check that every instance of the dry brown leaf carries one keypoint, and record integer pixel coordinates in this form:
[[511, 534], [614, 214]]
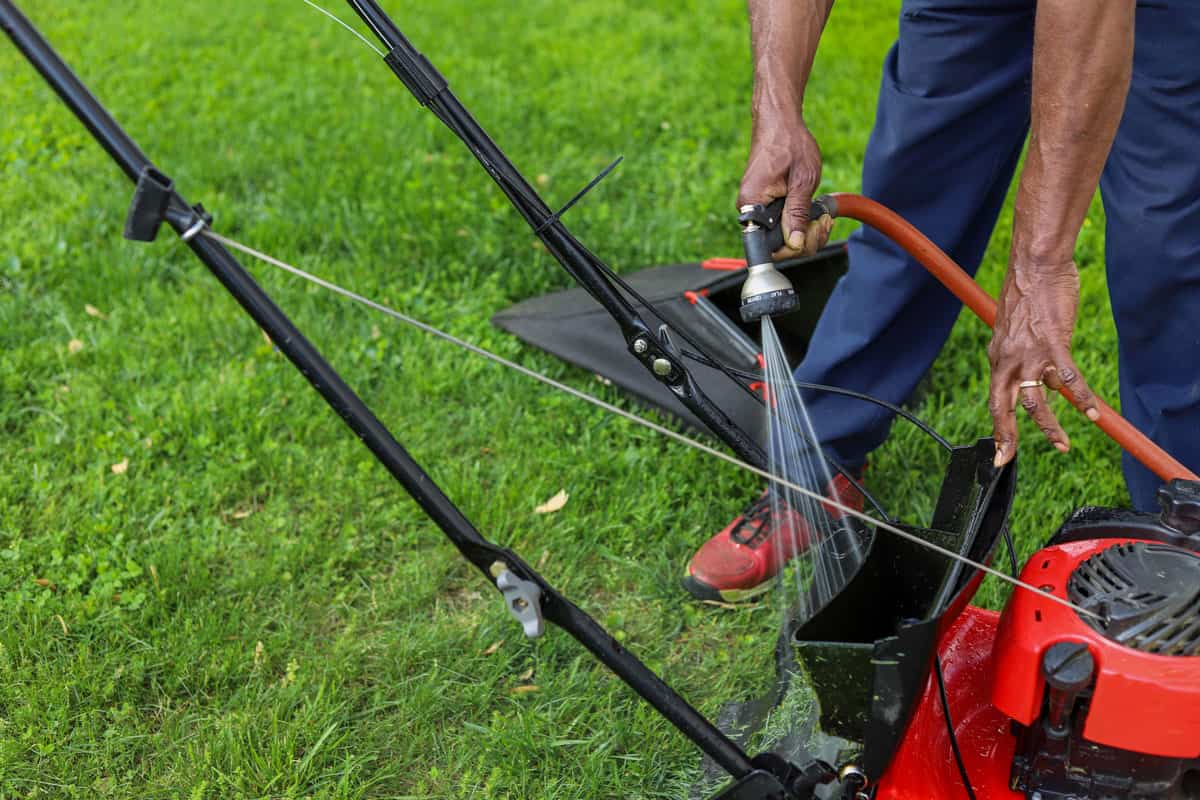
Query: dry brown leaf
[[74, 346], [526, 675], [45, 583], [243, 513], [555, 503], [526, 689], [493, 647], [542, 179], [92, 311], [120, 467]]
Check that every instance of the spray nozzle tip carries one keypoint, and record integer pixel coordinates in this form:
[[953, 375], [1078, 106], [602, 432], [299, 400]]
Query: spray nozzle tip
[[766, 293], [768, 305]]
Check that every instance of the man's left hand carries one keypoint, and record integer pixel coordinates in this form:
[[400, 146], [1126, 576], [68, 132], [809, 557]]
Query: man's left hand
[[1031, 346]]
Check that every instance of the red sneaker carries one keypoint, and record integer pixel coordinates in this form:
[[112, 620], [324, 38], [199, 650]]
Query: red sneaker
[[740, 562]]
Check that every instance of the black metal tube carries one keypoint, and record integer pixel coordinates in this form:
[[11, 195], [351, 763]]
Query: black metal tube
[[354, 412]]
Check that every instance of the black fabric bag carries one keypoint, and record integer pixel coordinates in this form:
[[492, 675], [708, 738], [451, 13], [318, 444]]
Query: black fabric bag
[[572, 326]]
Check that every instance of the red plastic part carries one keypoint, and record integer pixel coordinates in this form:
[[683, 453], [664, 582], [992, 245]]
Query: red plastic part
[[724, 264], [924, 767], [1142, 702], [764, 390]]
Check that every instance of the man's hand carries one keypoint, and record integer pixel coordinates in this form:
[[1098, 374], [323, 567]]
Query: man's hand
[[784, 158], [1077, 104], [1032, 342], [785, 161]]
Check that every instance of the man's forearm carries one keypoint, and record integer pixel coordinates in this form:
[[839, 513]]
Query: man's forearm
[[1082, 60], [1083, 56], [784, 35]]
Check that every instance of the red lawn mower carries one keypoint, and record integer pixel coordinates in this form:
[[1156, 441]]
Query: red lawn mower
[[1086, 686]]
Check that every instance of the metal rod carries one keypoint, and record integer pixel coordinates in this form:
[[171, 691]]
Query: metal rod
[[312, 365]]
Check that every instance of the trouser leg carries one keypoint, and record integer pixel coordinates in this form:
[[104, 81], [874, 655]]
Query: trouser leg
[[1151, 190], [952, 117]]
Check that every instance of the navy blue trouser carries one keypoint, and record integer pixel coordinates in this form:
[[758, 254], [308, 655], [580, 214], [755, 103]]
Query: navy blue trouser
[[954, 107]]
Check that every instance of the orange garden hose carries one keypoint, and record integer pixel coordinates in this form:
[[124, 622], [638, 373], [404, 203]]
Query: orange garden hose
[[915, 243]]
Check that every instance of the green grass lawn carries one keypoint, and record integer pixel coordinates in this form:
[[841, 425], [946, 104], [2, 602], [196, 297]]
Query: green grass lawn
[[252, 608]]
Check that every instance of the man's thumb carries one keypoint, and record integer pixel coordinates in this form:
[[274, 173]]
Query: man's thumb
[[796, 211]]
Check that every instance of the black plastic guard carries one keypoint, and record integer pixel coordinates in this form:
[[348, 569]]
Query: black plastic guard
[[869, 652]]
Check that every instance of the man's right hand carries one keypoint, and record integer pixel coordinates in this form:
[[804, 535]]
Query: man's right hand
[[785, 161], [784, 158]]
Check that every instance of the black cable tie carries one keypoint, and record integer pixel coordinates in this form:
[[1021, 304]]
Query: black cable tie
[[553, 218], [417, 72]]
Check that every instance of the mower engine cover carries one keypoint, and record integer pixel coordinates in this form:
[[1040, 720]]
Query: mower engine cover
[[1106, 706]]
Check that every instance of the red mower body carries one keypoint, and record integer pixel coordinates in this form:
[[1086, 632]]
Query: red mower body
[[1141, 708]]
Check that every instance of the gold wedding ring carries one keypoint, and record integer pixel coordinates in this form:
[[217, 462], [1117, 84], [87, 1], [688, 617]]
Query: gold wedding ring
[[1029, 384]]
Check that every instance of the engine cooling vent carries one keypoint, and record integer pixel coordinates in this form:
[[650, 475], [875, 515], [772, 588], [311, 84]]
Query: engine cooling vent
[[1147, 595]]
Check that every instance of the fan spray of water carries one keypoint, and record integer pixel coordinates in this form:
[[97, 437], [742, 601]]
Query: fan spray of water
[[824, 542]]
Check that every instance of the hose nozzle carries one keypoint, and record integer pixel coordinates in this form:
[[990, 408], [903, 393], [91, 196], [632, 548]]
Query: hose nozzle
[[766, 292]]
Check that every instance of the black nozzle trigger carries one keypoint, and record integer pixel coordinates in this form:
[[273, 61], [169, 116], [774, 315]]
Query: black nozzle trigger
[[769, 220], [762, 233]]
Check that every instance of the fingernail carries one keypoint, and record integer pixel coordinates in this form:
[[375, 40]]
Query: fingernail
[[796, 240], [1093, 414], [998, 461], [1061, 447]]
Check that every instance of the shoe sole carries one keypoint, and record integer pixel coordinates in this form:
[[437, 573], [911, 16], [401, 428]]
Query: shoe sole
[[703, 591]]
